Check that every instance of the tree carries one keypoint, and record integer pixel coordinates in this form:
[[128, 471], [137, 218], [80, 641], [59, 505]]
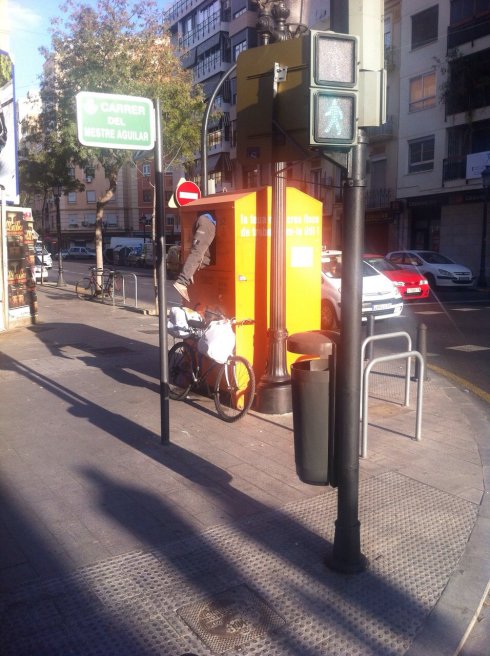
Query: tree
[[115, 48]]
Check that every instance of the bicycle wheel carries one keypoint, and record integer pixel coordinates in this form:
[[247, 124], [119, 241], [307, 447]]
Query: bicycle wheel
[[235, 389], [85, 288], [180, 370]]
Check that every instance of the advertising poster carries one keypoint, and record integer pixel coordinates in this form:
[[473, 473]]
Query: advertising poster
[[20, 263], [8, 137]]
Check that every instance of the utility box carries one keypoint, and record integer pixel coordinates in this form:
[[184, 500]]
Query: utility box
[[237, 282]]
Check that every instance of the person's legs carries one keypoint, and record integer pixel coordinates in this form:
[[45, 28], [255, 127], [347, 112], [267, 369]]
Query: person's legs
[[199, 255]]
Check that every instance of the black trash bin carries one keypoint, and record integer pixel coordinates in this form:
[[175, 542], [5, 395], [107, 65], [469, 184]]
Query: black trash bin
[[310, 388]]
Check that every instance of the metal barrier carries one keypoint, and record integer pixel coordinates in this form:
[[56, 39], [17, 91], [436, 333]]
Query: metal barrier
[[135, 279], [376, 338], [365, 393]]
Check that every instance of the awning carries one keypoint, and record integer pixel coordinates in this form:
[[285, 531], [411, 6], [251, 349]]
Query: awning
[[189, 58], [209, 44], [220, 162]]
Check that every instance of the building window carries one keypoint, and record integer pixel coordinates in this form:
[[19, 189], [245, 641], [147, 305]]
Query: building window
[[215, 139], [422, 92], [89, 219], [110, 219], [240, 47], [251, 179], [146, 169], [421, 155], [73, 220], [72, 196], [316, 183], [147, 195], [91, 197], [424, 26]]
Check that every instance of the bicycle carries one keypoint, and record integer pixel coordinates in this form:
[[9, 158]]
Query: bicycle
[[234, 383], [90, 288]]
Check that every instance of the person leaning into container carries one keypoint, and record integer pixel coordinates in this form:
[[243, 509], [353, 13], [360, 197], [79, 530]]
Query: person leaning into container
[[199, 256]]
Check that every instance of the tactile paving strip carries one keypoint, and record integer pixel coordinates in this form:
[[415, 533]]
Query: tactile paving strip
[[146, 603]]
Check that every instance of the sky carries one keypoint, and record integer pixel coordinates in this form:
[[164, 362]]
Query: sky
[[29, 22]]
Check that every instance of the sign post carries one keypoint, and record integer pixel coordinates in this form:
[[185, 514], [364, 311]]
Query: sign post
[[106, 120], [186, 192]]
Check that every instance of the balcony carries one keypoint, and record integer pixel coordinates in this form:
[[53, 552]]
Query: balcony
[[209, 66], [213, 24], [454, 168], [378, 198], [468, 30], [382, 132], [180, 9]]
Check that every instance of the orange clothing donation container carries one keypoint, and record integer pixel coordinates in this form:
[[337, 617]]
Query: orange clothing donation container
[[237, 282]]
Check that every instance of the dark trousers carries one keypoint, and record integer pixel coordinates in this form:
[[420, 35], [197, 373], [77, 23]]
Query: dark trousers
[[199, 256]]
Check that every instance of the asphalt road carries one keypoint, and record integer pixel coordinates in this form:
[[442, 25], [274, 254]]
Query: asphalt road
[[457, 321]]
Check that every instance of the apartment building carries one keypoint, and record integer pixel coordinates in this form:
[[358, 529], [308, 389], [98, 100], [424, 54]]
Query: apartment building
[[444, 126], [211, 35], [78, 210]]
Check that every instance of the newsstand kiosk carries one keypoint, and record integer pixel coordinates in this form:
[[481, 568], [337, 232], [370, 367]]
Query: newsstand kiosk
[[237, 282]]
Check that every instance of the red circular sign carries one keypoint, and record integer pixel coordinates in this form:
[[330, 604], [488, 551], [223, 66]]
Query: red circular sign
[[186, 192]]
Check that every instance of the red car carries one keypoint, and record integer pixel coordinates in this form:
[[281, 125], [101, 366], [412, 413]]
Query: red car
[[410, 284]]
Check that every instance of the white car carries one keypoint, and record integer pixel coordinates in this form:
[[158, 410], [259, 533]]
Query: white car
[[439, 270], [380, 297], [38, 270], [48, 260]]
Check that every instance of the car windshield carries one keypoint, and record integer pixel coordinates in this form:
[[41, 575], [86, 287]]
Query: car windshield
[[332, 266], [381, 264], [434, 258]]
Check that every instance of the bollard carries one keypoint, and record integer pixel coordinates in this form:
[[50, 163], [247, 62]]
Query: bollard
[[422, 349], [370, 333]]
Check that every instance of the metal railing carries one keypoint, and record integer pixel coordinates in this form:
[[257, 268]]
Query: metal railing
[[377, 338], [135, 280], [365, 393], [407, 355]]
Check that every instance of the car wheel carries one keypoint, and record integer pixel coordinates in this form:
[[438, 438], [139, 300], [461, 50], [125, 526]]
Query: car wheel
[[329, 318], [432, 281]]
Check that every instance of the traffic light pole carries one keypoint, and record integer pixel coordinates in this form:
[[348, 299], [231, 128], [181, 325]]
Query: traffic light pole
[[346, 555]]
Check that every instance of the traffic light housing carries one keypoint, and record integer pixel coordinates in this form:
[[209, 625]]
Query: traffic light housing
[[333, 89]]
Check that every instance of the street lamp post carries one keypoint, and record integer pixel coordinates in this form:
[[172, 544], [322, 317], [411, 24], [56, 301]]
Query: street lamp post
[[57, 191], [485, 180], [274, 387]]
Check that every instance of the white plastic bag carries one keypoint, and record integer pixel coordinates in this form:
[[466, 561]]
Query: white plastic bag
[[177, 324], [217, 341]]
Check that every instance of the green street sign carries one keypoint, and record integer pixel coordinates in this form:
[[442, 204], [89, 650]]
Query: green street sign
[[106, 120]]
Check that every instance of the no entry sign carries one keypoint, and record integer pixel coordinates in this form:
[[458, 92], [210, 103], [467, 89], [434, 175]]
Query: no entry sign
[[186, 192]]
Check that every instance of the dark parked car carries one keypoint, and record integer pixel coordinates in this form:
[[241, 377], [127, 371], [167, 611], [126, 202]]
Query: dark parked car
[[80, 253], [120, 255], [136, 257]]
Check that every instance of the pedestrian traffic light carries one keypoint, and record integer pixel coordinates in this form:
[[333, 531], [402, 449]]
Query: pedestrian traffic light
[[333, 89]]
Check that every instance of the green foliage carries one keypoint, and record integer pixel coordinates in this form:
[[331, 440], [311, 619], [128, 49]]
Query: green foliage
[[5, 69], [118, 47]]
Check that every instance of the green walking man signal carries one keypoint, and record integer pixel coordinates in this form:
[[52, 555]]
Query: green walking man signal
[[313, 104], [333, 89]]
